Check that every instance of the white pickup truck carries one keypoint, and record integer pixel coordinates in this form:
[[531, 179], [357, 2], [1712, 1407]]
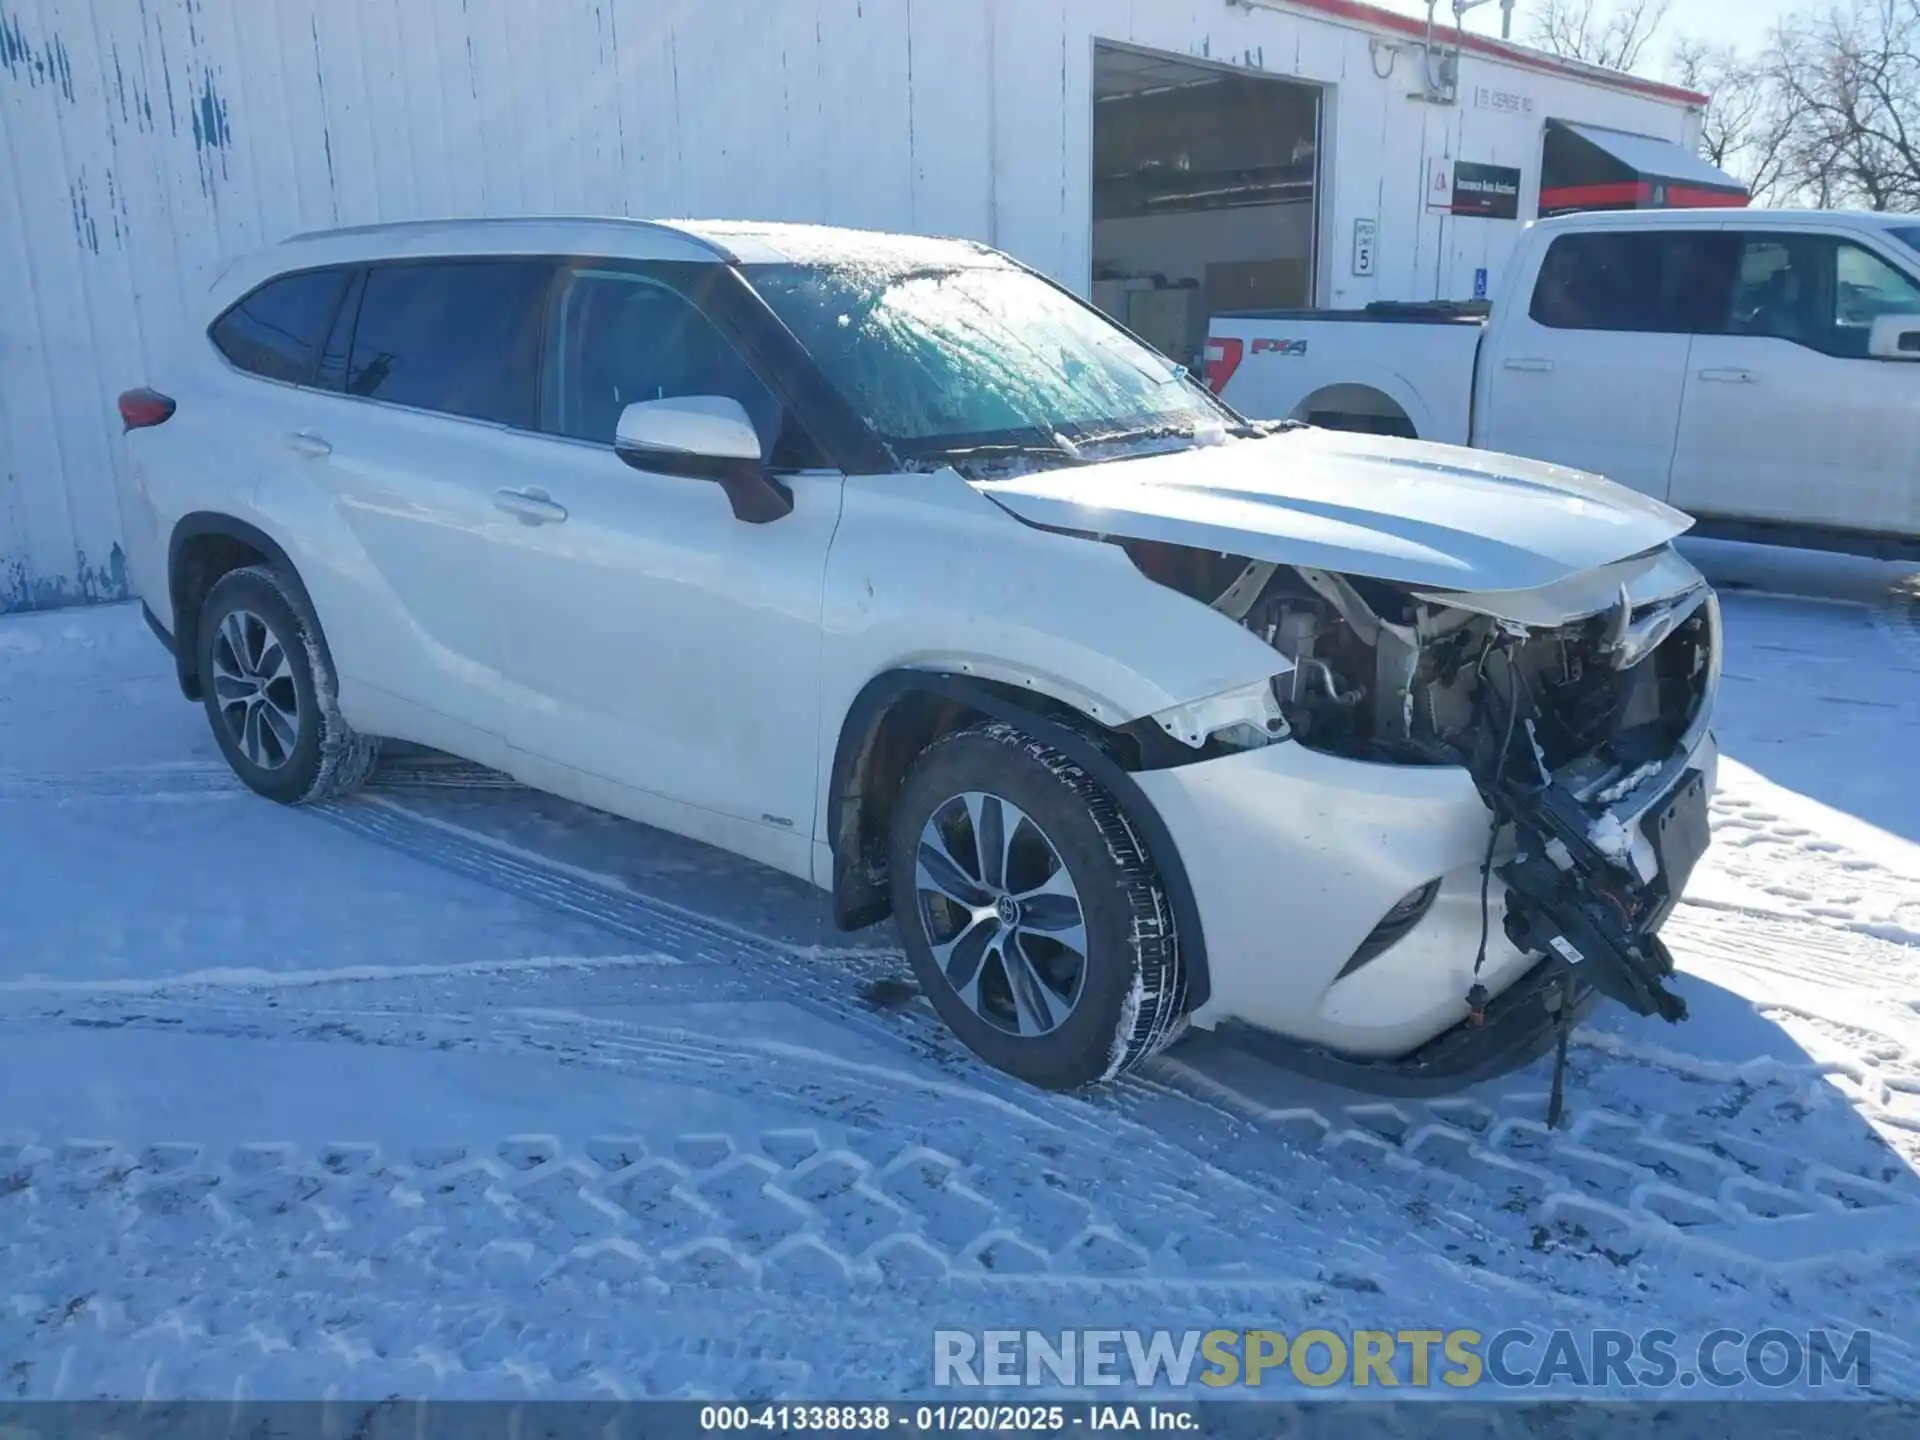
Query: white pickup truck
[[1743, 366]]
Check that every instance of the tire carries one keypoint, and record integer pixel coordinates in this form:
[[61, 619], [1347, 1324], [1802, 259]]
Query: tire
[[1102, 1011], [298, 750]]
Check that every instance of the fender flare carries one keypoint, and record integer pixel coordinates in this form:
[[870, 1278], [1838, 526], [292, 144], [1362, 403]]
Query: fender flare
[[186, 624], [861, 725]]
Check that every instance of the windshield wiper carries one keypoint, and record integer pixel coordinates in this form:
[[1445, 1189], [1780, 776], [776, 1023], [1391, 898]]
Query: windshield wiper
[[1193, 433], [1009, 450], [1145, 432]]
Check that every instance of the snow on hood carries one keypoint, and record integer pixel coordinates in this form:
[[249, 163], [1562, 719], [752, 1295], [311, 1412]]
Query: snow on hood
[[1435, 516]]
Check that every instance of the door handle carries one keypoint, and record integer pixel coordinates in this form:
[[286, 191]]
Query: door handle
[[1539, 367], [531, 506], [305, 442], [1730, 377]]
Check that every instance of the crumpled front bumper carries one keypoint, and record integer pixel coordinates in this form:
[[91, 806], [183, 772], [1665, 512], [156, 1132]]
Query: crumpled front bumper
[[1295, 856], [1515, 1029]]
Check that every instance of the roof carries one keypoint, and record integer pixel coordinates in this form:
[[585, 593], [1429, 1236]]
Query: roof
[[747, 242], [491, 235], [757, 242], [1375, 18], [743, 242]]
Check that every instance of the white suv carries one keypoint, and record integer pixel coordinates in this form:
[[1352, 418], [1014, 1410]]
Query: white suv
[[891, 564]]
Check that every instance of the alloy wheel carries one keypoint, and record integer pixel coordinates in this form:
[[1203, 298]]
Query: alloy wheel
[[255, 691], [1001, 913]]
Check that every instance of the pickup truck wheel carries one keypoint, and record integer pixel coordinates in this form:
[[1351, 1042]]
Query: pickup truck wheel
[[1032, 915], [269, 689]]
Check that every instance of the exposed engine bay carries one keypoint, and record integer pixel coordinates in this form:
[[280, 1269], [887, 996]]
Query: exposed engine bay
[[1565, 729]]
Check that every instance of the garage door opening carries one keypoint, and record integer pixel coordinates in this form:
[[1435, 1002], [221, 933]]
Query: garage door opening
[[1205, 183]]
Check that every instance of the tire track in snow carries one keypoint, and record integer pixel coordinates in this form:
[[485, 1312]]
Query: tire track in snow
[[1795, 872], [789, 1244], [400, 774], [1554, 1180], [1421, 1157]]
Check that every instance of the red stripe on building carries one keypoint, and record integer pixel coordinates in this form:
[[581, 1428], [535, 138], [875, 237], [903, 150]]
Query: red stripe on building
[[1591, 197], [1638, 195]]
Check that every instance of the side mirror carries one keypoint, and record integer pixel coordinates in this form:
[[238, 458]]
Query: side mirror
[[1895, 337], [704, 437]]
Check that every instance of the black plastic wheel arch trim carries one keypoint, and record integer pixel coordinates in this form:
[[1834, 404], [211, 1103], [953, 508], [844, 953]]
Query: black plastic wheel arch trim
[[153, 624], [879, 695], [186, 637]]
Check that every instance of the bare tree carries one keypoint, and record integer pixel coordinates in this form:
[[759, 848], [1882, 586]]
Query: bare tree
[[1752, 124], [1615, 35], [1852, 75]]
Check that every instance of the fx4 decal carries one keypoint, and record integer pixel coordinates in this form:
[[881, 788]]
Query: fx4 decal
[[1224, 355]]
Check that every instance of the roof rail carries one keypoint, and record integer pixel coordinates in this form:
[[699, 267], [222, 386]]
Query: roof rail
[[402, 227]]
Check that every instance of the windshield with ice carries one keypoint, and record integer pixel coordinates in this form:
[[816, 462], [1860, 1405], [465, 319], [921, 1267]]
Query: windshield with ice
[[959, 362]]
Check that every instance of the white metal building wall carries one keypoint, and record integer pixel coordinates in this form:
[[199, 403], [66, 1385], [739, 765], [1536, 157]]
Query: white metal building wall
[[147, 141]]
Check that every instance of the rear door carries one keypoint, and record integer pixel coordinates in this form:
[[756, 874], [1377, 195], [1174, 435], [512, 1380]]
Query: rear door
[[1591, 373], [1786, 419], [241, 429], [432, 376]]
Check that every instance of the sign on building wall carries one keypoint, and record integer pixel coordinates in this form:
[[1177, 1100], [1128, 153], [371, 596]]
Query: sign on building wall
[[1440, 184], [1366, 235], [1504, 102], [1489, 191]]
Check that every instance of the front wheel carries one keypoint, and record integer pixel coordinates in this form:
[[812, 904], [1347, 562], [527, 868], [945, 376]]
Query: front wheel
[[1032, 914]]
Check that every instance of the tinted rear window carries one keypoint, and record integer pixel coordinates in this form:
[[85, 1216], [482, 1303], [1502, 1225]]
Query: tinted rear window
[[276, 330], [459, 337]]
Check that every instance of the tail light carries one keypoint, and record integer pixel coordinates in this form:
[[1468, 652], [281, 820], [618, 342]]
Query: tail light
[[1223, 358], [142, 408]]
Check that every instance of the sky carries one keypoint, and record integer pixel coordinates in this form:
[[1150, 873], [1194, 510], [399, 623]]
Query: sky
[[1737, 22]]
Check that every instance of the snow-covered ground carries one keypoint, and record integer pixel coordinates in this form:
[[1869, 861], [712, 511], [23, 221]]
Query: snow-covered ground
[[458, 1090]]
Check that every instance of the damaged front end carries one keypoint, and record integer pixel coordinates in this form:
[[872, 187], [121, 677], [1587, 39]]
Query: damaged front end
[[1578, 710]]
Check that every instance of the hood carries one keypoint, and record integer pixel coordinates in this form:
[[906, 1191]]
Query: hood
[[1434, 516]]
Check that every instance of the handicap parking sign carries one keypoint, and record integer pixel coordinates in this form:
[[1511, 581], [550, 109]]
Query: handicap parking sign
[[1480, 284]]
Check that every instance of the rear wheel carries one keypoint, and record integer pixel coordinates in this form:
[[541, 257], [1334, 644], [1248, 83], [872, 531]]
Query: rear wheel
[[268, 689], [1033, 917]]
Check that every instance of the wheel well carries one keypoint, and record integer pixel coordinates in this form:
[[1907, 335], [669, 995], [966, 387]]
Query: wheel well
[[869, 772], [1356, 407], [205, 547], [898, 715]]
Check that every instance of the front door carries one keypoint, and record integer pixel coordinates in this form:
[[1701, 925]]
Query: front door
[[1786, 419], [1591, 375], [652, 639]]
